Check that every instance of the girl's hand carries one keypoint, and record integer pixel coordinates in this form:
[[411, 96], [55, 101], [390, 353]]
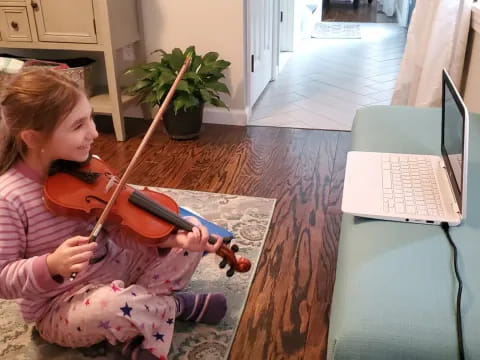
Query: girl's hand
[[197, 239], [71, 256]]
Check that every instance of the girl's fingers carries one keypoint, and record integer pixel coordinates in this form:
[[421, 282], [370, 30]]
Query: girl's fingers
[[219, 242], [197, 239], [82, 240], [78, 267], [195, 234], [193, 220], [76, 240], [82, 248], [204, 234], [214, 247], [80, 258]]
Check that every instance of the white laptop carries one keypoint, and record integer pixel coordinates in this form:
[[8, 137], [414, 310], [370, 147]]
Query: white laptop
[[417, 188]]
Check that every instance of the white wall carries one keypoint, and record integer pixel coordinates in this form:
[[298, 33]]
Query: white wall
[[304, 20], [211, 25]]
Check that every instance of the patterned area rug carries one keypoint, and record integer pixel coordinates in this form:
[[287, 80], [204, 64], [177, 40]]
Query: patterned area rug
[[328, 30], [247, 217]]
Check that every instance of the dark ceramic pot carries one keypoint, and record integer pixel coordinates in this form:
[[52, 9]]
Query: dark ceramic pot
[[185, 124]]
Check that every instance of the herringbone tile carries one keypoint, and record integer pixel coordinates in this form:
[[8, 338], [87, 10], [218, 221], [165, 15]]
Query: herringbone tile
[[323, 83]]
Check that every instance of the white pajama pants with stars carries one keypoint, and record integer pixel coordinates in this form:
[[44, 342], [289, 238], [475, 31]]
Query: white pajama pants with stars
[[139, 303]]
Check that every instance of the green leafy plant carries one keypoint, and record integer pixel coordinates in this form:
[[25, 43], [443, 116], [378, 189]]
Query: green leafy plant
[[199, 85]]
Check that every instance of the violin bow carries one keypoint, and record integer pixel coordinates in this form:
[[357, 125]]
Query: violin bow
[[136, 156]]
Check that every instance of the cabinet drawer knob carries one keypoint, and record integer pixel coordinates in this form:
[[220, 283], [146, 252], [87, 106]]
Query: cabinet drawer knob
[[34, 5], [14, 25]]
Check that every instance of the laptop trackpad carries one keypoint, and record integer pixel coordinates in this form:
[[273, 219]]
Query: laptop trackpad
[[363, 186]]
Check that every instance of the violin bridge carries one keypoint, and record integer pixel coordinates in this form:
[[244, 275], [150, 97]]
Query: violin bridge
[[110, 183]]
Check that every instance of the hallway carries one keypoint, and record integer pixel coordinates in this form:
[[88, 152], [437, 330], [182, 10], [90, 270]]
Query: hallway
[[342, 10], [323, 83]]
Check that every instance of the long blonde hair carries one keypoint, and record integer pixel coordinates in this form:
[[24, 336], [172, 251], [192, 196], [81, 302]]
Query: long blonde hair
[[37, 99]]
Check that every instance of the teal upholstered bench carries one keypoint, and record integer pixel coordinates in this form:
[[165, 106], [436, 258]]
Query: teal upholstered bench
[[395, 290]]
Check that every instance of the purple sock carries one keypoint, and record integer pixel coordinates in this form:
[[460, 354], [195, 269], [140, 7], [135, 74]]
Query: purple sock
[[206, 308], [142, 354], [131, 345], [133, 350]]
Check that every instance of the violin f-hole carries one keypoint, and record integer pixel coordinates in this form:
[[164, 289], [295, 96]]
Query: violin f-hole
[[93, 197]]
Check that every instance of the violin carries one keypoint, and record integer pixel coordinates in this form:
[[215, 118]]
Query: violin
[[94, 190], [85, 191]]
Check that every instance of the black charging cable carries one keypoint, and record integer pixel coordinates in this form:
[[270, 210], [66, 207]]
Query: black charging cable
[[461, 350]]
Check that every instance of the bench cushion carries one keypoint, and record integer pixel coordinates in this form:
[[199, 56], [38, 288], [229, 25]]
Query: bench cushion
[[395, 290]]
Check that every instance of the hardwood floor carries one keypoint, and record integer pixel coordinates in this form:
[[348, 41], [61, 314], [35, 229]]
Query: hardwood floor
[[343, 11], [286, 316]]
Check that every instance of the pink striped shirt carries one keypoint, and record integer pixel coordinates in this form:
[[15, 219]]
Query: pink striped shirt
[[29, 232]]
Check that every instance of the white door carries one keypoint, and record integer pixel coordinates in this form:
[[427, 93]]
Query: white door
[[260, 14], [286, 25]]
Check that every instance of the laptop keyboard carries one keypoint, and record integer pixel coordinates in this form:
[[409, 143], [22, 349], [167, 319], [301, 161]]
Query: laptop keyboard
[[409, 186]]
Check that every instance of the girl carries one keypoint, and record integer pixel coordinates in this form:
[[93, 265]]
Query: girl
[[124, 291]]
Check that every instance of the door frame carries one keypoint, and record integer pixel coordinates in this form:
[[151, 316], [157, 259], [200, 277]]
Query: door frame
[[288, 20], [276, 40], [246, 48]]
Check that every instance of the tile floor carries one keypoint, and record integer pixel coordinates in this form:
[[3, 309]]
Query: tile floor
[[323, 83]]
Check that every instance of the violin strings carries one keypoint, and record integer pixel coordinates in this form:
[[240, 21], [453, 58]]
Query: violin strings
[[113, 180]]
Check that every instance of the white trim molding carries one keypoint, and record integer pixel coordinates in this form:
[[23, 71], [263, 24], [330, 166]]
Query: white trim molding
[[213, 115], [476, 17]]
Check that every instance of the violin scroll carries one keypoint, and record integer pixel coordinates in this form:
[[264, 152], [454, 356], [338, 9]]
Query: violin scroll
[[239, 264]]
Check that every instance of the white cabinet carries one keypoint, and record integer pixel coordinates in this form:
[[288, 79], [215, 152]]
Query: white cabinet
[[104, 26], [14, 24], [76, 23]]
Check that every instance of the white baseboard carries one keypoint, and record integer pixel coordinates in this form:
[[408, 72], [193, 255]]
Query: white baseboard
[[211, 115]]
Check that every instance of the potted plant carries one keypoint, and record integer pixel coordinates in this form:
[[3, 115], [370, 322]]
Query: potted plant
[[200, 85]]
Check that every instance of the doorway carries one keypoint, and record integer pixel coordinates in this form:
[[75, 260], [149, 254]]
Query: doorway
[[262, 45], [370, 11], [323, 81]]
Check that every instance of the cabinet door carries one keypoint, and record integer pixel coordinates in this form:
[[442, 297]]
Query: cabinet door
[[12, 2], [65, 20], [14, 24]]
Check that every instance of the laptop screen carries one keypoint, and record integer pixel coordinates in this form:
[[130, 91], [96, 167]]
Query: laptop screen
[[453, 136]]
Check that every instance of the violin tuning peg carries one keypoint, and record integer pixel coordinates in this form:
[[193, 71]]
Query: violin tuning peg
[[223, 263], [235, 248], [230, 272]]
